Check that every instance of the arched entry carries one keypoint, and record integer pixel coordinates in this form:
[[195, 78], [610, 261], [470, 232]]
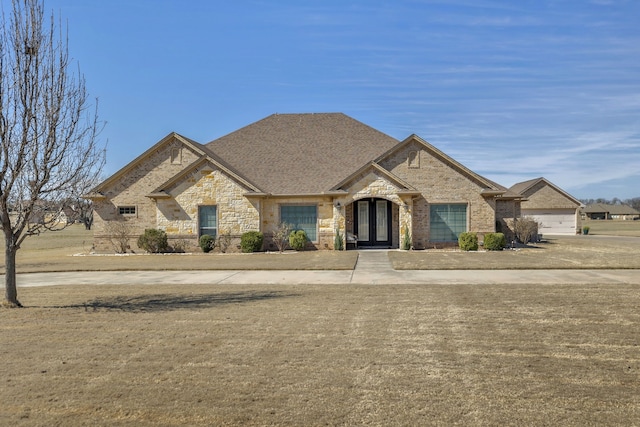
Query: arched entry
[[372, 222]]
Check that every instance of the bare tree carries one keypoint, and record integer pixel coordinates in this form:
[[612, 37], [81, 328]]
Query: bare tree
[[526, 229], [120, 233], [281, 235], [48, 129]]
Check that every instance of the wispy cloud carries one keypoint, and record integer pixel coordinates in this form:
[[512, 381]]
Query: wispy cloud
[[514, 90]]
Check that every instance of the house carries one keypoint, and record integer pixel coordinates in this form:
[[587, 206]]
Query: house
[[606, 211], [554, 209], [323, 173]]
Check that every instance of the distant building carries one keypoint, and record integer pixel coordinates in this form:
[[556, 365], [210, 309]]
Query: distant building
[[604, 211]]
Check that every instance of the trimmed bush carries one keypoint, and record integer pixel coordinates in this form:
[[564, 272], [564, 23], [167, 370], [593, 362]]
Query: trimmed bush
[[207, 243], [468, 241], [153, 241], [298, 240], [494, 241], [251, 241]]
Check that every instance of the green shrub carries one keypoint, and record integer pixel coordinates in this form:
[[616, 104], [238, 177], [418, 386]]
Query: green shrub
[[298, 240], [494, 241], [338, 242], [153, 241], [406, 240], [251, 241], [207, 243], [468, 241]]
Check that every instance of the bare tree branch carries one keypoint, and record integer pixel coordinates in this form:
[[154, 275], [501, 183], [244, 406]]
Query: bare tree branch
[[49, 148]]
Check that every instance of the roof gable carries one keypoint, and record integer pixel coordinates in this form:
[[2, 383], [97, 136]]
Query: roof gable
[[379, 171], [163, 190], [290, 154], [528, 188], [170, 138], [488, 187]]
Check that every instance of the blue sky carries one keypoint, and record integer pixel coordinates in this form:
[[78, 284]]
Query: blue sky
[[514, 90]]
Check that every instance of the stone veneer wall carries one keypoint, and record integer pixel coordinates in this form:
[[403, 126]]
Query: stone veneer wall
[[370, 184], [178, 216], [439, 182], [131, 190], [326, 225]]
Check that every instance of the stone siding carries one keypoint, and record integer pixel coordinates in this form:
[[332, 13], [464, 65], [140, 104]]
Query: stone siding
[[131, 190], [439, 182], [207, 185], [371, 184], [436, 180], [326, 222]]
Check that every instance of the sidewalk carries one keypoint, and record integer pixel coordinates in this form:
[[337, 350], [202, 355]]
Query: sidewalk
[[373, 268]]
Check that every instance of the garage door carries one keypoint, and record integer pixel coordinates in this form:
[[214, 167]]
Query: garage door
[[556, 221]]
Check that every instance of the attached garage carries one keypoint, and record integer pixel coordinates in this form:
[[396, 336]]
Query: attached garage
[[551, 206], [556, 221]]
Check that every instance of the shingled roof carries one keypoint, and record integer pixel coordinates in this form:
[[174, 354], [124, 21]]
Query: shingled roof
[[301, 153], [524, 187]]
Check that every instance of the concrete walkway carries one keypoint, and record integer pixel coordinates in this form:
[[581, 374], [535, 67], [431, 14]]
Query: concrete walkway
[[373, 268]]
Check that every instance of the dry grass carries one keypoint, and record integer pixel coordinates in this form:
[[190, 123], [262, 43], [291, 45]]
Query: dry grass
[[613, 228], [567, 252], [511, 354], [322, 355], [68, 250]]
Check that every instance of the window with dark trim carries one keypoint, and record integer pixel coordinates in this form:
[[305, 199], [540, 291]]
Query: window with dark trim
[[301, 217], [127, 210], [208, 220], [447, 221]]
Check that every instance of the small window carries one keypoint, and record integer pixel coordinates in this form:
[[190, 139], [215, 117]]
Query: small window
[[208, 220], [414, 159], [127, 210], [301, 217]]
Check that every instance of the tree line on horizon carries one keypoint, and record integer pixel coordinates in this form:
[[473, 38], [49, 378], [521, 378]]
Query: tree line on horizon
[[634, 202]]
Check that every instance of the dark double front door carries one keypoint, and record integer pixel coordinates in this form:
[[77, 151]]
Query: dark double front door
[[372, 222]]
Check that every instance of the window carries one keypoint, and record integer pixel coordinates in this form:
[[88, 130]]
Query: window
[[301, 217], [447, 222], [208, 220], [127, 210]]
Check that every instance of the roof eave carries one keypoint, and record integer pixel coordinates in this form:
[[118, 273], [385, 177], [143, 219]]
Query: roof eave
[[94, 196], [159, 195]]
